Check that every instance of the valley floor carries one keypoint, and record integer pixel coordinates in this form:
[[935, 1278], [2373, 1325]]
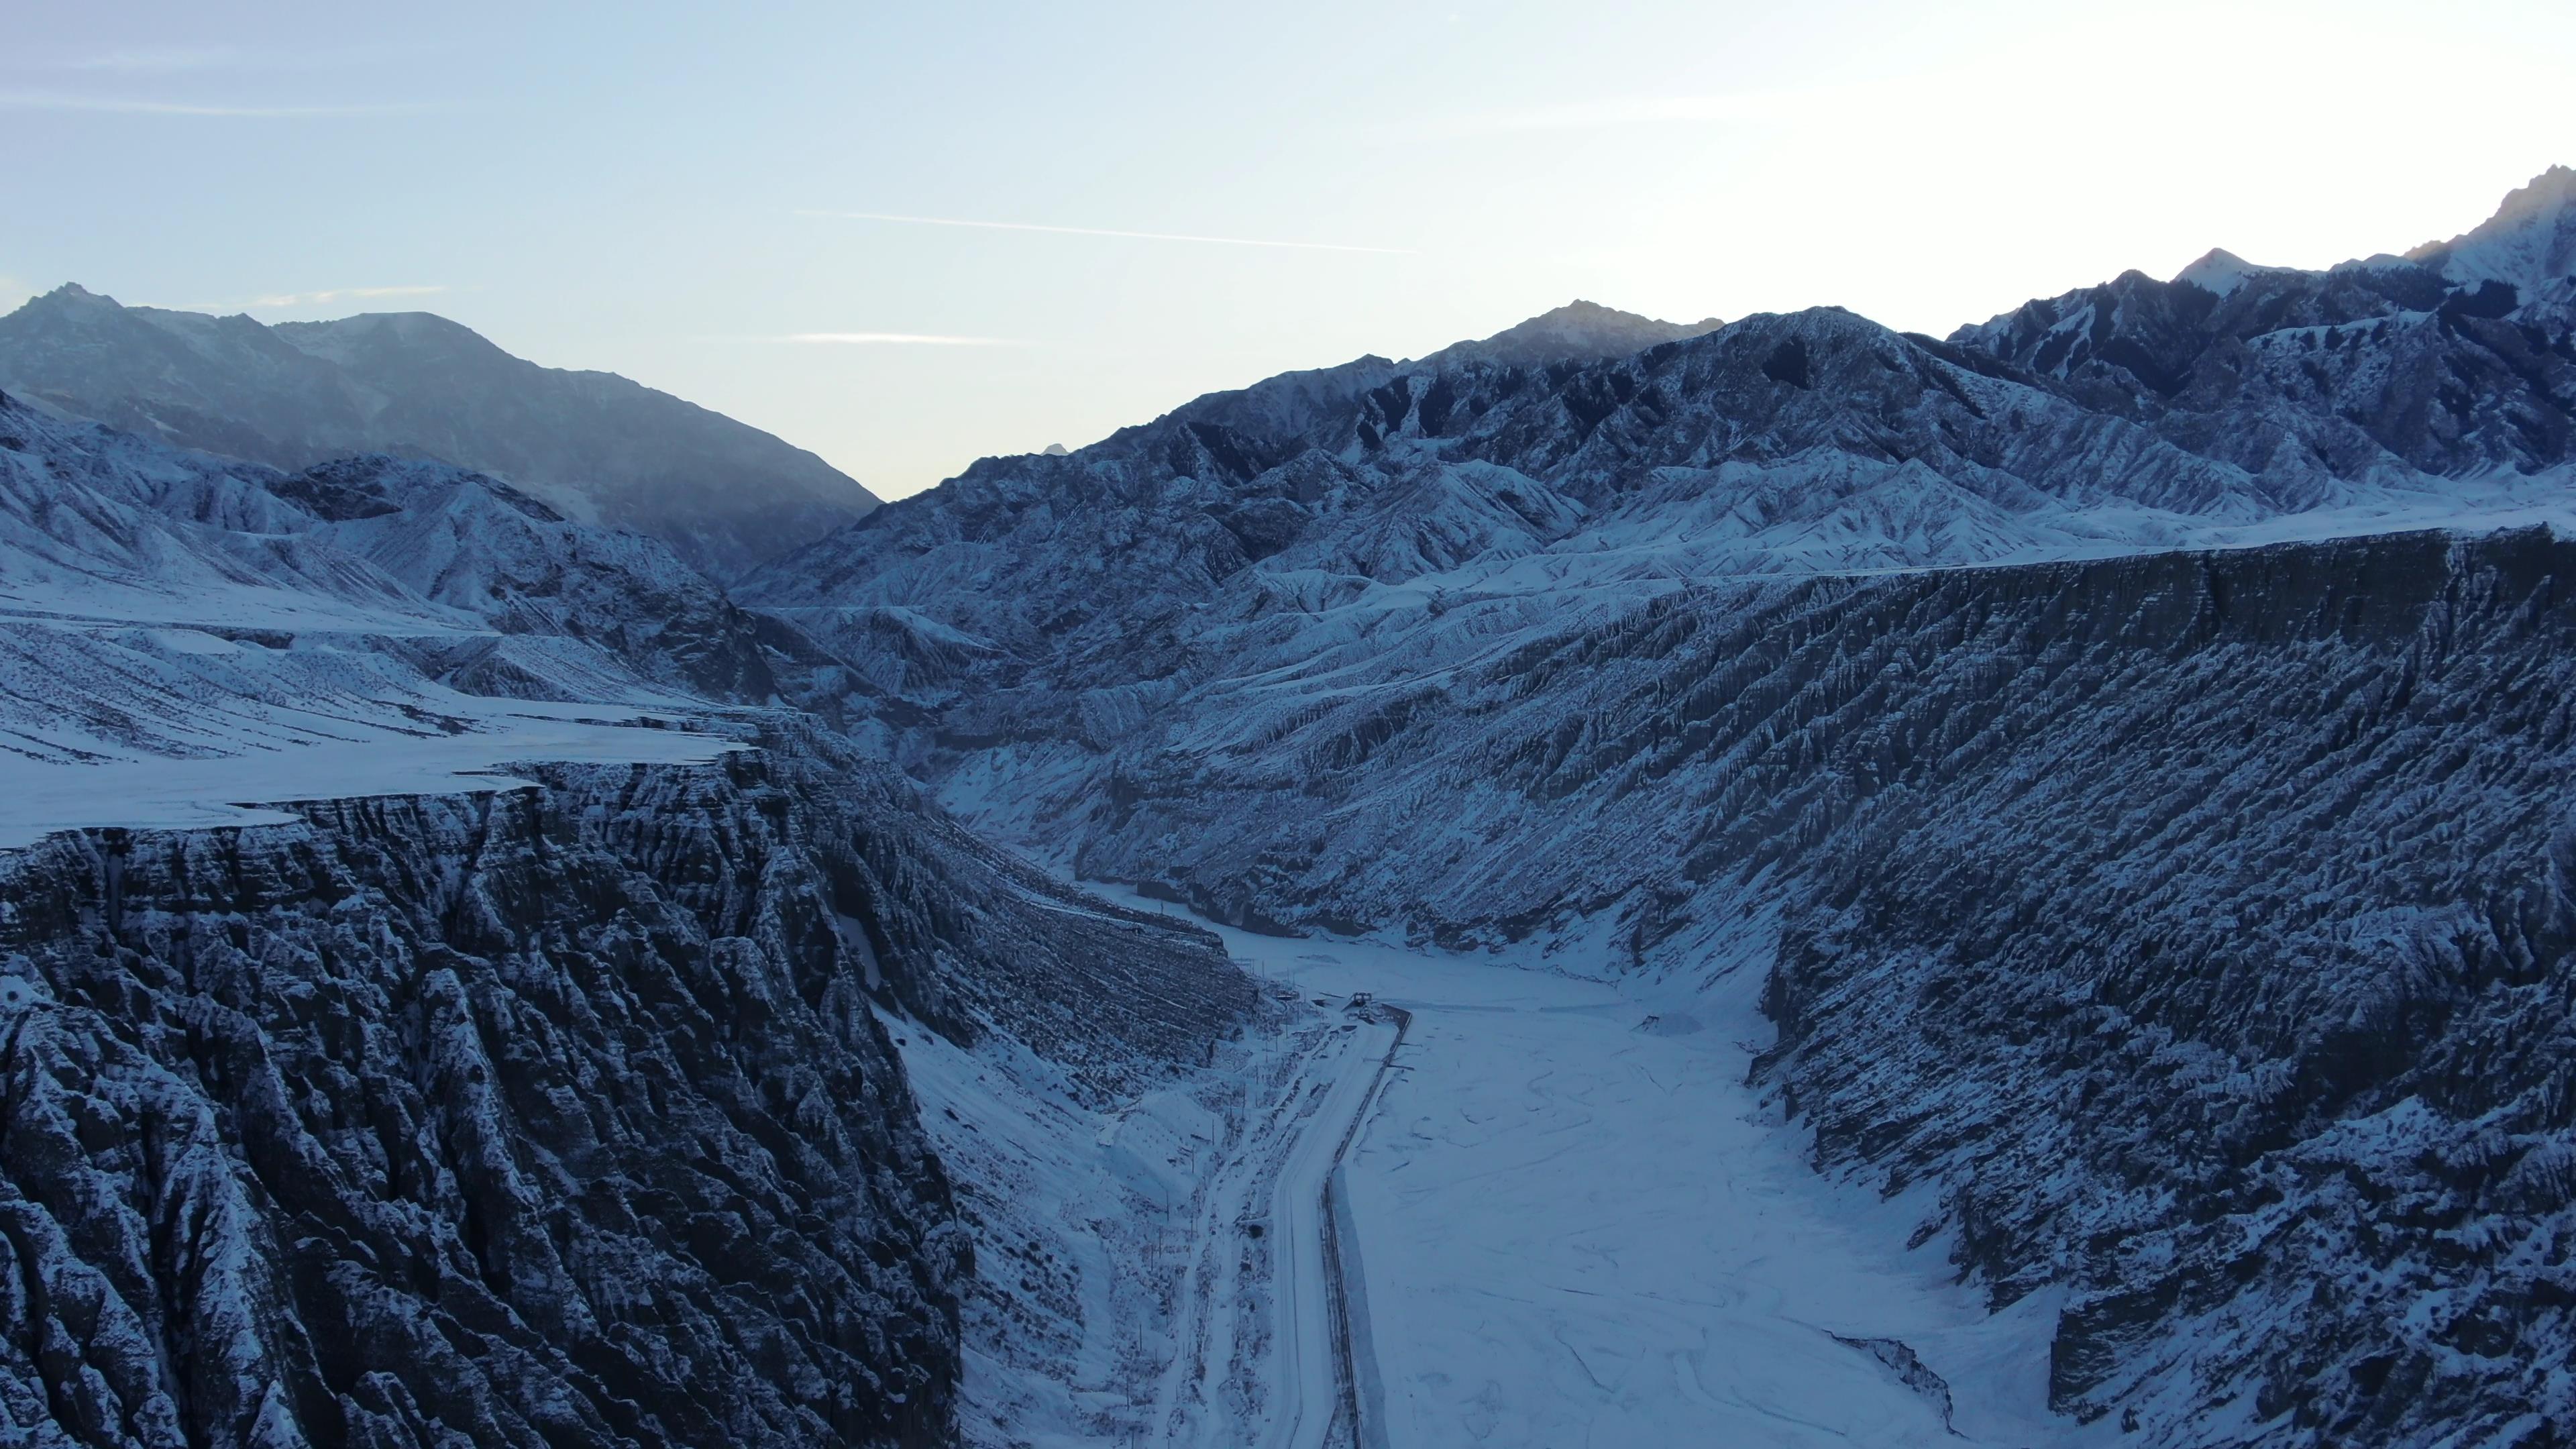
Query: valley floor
[[1574, 1226], [1565, 1220]]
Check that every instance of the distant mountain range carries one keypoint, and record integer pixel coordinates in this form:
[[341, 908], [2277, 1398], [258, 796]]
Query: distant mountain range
[[594, 445], [1589, 450]]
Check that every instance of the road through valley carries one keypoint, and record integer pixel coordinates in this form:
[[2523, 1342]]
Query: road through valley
[[1577, 1228]]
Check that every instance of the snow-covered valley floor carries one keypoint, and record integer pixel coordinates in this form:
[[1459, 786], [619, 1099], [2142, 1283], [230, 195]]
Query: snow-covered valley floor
[[1566, 1221], [1575, 1226]]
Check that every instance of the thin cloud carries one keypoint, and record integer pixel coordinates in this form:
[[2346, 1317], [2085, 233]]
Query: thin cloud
[[156, 61], [179, 59], [1665, 110], [128, 106], [1169, 236], [894, 339], [312, 299]]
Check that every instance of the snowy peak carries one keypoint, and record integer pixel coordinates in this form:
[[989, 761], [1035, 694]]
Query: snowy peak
[[1579, 331], [2220, 272], [2529, 242]]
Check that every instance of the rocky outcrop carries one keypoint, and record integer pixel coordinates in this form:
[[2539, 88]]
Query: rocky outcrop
[[558, 1114]]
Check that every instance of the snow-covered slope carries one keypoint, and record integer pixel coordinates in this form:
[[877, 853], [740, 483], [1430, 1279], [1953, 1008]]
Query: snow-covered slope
[[163, 607], [414, 385]]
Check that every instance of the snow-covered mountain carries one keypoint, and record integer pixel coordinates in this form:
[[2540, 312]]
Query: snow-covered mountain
[[1579, 331], [2128, 738], [591, 444], [115, 543], [2132, 902], [2450, 361], [1258, 530]]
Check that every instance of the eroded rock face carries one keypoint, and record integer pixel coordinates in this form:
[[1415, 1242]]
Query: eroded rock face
[[556, 1115], [2236, 997]]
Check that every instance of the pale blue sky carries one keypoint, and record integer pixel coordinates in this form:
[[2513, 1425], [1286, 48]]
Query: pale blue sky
[[649, 188]]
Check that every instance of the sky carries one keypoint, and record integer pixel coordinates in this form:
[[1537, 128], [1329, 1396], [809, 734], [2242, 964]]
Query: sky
[[909, 236]]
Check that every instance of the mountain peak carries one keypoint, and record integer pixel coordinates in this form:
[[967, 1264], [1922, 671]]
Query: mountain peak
[[73, 294], [1579, 331], [2220, 271], [2529, 242]]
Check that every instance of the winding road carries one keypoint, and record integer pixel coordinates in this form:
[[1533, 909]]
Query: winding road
[[1316, 1377]]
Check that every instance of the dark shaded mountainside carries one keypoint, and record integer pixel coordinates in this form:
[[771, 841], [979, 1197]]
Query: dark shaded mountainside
[[603, 449], [558, 1112], [2192, 926]]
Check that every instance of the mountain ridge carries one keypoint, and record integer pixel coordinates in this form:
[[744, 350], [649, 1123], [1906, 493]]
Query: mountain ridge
[[594, 444]]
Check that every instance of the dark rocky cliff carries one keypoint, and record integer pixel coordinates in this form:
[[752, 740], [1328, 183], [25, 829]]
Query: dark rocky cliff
[[554, 1115]]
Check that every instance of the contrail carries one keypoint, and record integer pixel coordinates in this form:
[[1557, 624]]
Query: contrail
[[110, 105], [1171, 236]]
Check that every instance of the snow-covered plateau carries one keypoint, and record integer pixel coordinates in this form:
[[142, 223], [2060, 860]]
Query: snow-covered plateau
[[1777, 883]]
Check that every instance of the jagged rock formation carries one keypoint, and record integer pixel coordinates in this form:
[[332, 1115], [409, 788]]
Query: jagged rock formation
[[555, 1115], [2219, 969], [591, 444]]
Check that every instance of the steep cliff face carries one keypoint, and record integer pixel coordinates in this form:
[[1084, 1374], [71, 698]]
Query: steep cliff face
[[553, 1115], [2220, 970]]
